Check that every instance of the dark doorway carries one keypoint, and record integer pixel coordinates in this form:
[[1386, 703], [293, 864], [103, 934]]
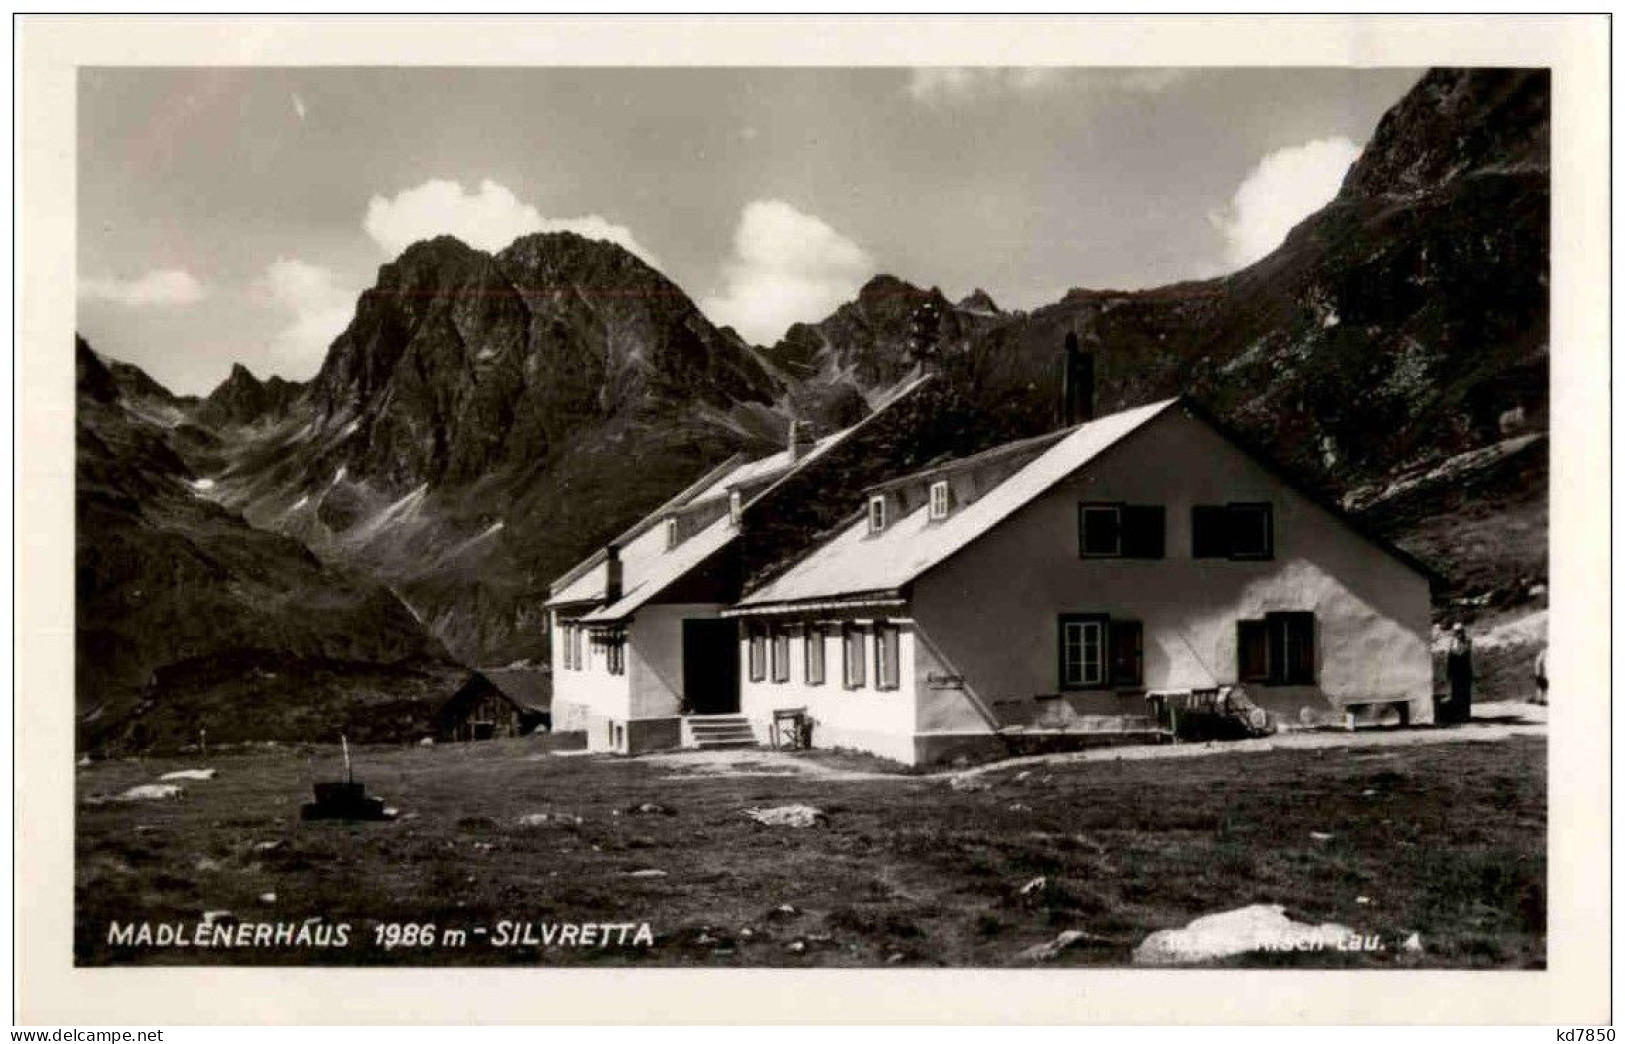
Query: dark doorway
[[711, 666]]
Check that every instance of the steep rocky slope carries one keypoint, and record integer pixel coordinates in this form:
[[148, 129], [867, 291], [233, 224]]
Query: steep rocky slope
[[243, 398], [485, 419], [1401, 326], [188, 618]]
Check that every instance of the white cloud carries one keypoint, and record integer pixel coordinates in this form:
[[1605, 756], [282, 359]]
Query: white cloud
[[946, 84], [1287, 186], [165, 287], [319, 304], [489, 219], [787, 267]]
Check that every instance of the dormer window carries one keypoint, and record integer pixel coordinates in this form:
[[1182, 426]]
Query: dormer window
[[877, 514], [736, 505], [939, 500], [671, 533]]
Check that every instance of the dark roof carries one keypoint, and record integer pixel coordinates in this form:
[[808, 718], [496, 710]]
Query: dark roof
[[529, 688]]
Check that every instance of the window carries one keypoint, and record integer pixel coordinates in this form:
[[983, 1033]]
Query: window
[[1100, 530], [813, 655], [1277, 650], [852, 656], [671, 533], [577, 638], [1083, 652], [939, 499], [1121, 530], [564, 647], [1251, 531], [781, 654], [758, 653], [877, 514], [615, 653], [1238, 531], [886, 642], [1127, 653]]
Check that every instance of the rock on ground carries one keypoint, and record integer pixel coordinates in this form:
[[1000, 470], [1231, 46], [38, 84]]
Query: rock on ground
[[788, 815], [1252, 928], [1065, 941], [200, 775], [151, 792]]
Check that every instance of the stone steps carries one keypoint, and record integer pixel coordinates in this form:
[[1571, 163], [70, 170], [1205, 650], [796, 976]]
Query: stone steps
[[718, 731]]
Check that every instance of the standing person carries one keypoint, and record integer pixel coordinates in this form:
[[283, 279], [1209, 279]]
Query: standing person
[[1540, 677], [1459, 672]]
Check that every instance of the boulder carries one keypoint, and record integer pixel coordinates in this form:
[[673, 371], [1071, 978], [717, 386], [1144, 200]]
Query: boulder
[[1260, 927], [151, 792], [196, 775], [797, 816]]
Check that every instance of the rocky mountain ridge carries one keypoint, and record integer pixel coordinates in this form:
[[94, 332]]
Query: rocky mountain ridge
[[487, 419]]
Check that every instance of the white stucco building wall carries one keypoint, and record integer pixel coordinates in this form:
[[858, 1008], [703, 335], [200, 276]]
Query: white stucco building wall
[[993, 608], [868, 718], [588, 697]]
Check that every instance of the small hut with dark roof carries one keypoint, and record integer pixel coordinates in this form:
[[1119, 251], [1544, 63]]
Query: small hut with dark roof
[[485, 709]]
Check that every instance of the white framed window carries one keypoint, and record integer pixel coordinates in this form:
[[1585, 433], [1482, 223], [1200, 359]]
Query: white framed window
[[877, 513], [671, 532], [939, 499], [1083, 652]]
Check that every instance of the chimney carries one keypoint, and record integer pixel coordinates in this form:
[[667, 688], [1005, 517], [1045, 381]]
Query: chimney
[[793, 447], [612, 574], [1077, 384]]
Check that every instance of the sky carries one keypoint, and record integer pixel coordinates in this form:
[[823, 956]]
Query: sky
[[234, 214]]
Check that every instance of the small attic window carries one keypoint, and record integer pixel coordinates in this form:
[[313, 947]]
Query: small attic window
[[939, 499], [877, 513], [736, 504], [671, 532]]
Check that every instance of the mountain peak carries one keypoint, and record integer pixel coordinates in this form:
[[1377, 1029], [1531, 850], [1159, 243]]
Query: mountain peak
[[978, 300], [1457, 122]]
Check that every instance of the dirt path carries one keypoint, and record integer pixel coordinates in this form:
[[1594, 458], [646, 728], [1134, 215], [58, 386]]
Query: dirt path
[[709, 764], [1491, 723]]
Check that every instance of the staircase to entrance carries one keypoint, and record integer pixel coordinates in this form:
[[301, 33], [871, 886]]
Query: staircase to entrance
[[718, 731]]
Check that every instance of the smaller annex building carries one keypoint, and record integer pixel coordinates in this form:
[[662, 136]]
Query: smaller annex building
[[1042, 585], [640, 651]]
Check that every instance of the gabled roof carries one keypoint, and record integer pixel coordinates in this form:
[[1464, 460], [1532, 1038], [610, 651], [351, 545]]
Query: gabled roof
[[664, 570], [648, 566], [858, 563]]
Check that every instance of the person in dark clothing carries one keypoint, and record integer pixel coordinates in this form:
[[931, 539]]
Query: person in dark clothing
[[1458, 669]]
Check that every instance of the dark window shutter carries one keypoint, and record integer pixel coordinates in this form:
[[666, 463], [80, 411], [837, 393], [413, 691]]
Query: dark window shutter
[[1128, 652], [1252, 651], [1210, 531], [1144, 531], [886, 674], [1292, 641], [814, 653], [1252, 530], [758, 653]]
